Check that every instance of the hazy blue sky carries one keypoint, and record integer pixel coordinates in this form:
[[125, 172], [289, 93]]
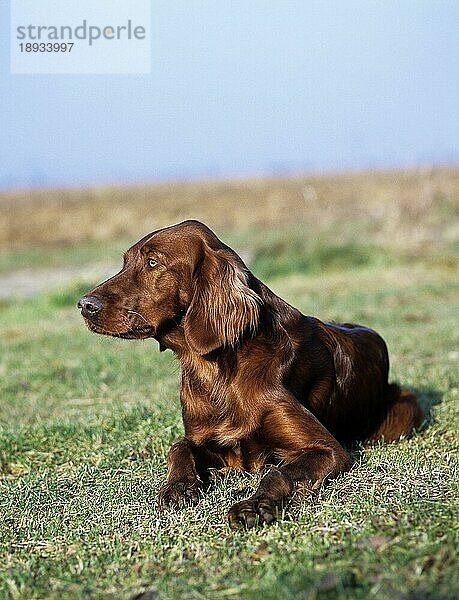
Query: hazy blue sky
[[246, 86]]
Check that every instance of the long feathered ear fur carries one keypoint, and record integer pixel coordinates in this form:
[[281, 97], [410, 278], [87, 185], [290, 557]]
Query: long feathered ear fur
[[223, 306]]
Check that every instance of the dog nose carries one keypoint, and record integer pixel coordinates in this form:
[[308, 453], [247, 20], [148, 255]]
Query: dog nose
[[90, 306]]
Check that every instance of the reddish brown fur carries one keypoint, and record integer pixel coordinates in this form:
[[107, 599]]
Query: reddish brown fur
[[260, 383]]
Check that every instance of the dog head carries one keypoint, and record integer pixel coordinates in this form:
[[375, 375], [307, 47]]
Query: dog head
[[181, 276]]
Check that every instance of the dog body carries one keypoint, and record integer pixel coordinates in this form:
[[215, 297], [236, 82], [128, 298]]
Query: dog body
[[260, 382]]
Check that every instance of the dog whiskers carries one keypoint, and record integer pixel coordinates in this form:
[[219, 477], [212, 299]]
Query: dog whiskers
[[134, 312]]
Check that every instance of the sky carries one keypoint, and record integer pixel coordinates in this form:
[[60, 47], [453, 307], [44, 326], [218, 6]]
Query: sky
[[241, 88]]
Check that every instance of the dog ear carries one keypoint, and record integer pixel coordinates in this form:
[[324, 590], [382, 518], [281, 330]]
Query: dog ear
[[223, 306]]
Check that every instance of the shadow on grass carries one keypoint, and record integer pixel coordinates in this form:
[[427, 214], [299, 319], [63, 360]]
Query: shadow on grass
[[428, 398]]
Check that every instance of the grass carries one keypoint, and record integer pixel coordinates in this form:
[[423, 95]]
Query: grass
[[86, 422]]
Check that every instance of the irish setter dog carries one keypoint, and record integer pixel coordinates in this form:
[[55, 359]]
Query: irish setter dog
[[261, 383]]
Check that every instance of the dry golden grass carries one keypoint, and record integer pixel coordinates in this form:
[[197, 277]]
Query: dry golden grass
[[408, 207]]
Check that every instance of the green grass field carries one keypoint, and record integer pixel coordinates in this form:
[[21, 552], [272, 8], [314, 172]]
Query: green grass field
[[86, 422]]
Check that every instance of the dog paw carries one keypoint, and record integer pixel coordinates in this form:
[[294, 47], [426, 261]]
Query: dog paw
[[180, 492], [253, 512]]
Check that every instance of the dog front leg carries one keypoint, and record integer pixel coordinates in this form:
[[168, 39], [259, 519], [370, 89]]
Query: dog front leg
[[308, 453], [187, 473]]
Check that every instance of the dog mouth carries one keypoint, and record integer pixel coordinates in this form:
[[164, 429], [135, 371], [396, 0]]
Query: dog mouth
[[133, 333]]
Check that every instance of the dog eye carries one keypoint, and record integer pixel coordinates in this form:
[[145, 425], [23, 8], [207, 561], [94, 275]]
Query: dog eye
[[151, 263]]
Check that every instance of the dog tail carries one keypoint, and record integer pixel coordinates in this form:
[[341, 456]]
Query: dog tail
[[402, 417]]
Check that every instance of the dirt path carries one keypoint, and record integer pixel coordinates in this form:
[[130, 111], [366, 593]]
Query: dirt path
[[25, 283]]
